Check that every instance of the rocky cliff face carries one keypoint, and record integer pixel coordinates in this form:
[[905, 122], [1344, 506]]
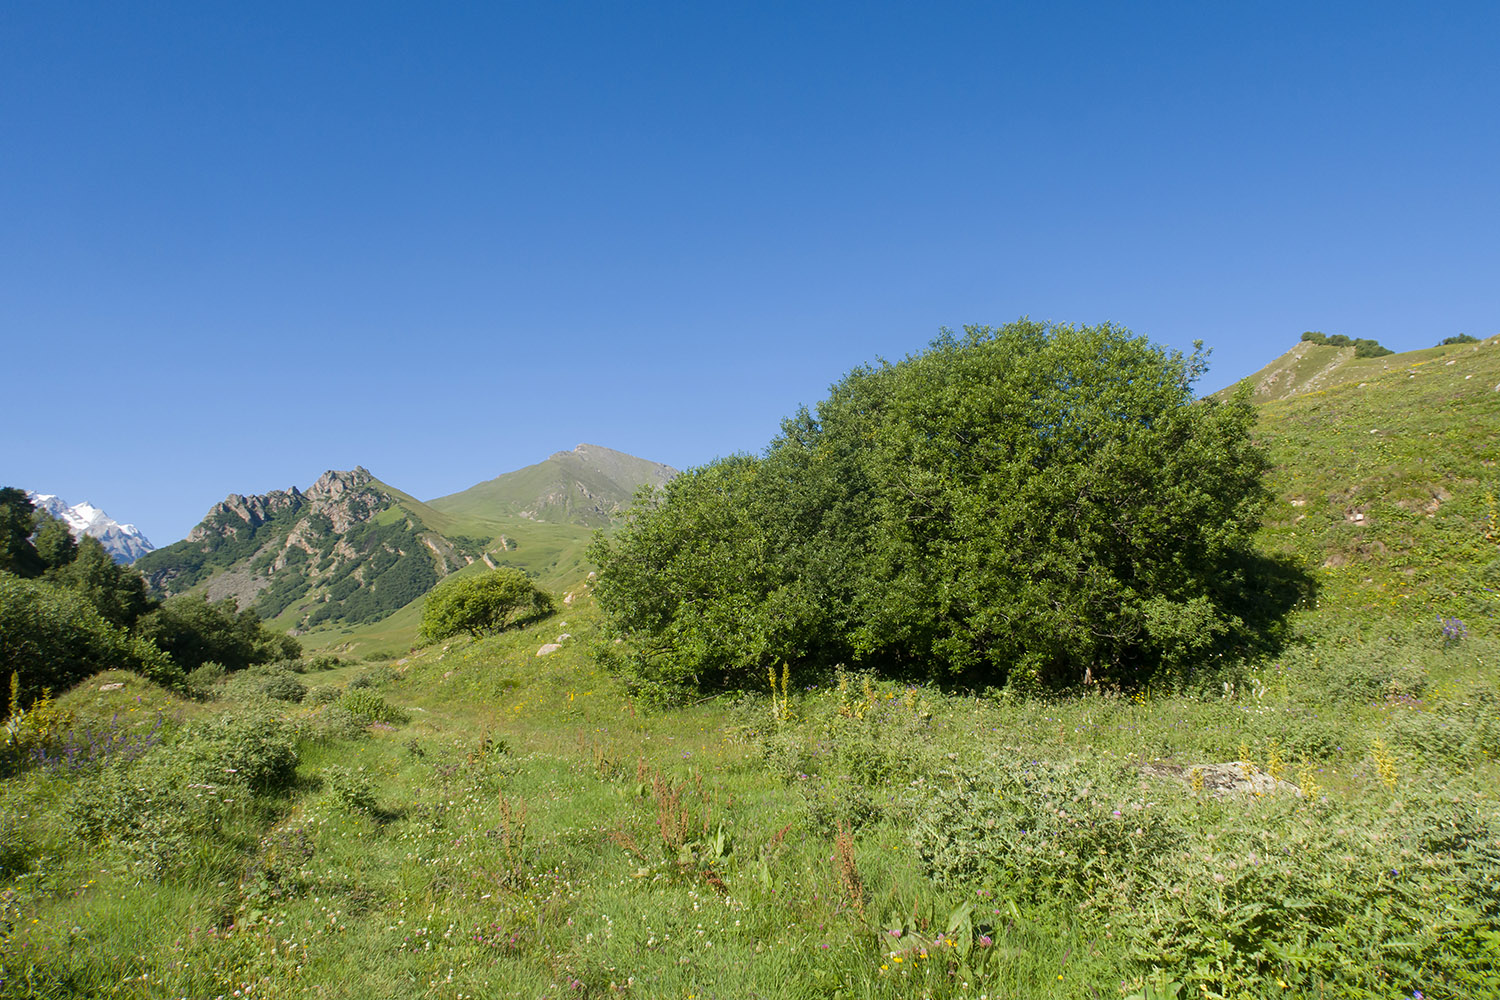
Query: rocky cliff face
[[346, 549]]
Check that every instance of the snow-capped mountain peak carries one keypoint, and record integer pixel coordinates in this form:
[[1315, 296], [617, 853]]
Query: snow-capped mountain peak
[[124, 542]]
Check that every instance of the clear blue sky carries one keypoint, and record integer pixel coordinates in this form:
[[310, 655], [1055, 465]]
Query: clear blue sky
[[241, 244]]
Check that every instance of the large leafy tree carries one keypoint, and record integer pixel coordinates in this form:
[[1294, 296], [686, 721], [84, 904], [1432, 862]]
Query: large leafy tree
[[51, 637], [53, 541], [1032, 503]]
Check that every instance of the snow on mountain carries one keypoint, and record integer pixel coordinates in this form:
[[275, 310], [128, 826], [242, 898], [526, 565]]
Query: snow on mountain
[[124, 542]]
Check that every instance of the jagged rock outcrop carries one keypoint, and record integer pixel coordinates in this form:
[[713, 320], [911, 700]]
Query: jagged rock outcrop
[[330, 553]]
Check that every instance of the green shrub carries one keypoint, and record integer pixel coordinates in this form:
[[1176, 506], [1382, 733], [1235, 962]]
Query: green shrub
[[1410, 891], [332, 721], [200, 682], [1042, 831], [351, 788], [369, 706], [194, 632], [373, 677], [54, 637], [253, 748], [325, 695], [283, 687], [484, 604], [154, 812], [912, 524]]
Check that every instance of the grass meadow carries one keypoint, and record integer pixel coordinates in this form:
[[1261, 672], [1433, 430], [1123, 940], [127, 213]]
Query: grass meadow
[[476, 821]]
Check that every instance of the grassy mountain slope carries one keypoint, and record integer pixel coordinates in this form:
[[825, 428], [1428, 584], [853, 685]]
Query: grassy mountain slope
[[1386, 476], [588, 485]]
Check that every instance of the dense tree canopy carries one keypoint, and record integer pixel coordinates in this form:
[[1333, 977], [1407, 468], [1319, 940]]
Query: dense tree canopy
[[194, 631], [482, 604], [1026, 504], [51, 637]]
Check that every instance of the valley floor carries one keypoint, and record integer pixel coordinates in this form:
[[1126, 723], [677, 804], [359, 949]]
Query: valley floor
[[475, 821]]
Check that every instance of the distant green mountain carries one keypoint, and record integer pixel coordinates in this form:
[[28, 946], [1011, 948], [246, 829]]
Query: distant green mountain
[[352, 550], [589, 485]]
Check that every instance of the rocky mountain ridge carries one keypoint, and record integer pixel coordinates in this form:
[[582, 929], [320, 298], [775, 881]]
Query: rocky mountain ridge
[[351, 549], [348, 549]]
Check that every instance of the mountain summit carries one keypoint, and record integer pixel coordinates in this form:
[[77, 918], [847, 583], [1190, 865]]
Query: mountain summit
[[589, 485], [124, 542]]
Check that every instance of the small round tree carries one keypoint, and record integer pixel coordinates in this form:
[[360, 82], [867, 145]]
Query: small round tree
[[480, 605]]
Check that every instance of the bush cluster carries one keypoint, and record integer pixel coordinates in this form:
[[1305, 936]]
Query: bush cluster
[[1272, 889], [480, 605], [1033, 504], [1363, 347], [172, 809], [364, 704]]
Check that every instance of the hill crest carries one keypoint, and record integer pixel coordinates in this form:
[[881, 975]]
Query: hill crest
[[589, 485]]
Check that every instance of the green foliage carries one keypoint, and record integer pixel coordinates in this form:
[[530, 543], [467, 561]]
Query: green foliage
[[54, 637], [1462, 338], [195, 632], [1363, 347], [117, 592], [200, 682], [172, 810], [479, 605], [17, 521], [54, 541], [252, 747], [1048, 831], [364, 704], [1297, 901], [149, 811], [273, 682], [351, 788], [1031, 503]]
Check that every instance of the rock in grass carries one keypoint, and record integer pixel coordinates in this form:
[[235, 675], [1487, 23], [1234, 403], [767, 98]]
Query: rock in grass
[[1236, 777], [550, 647]]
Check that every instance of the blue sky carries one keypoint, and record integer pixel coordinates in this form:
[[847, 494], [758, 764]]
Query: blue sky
[[241, 244]]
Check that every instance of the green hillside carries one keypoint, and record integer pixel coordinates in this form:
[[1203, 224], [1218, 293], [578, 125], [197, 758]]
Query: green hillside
[[1386, 474], [589, 485]]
